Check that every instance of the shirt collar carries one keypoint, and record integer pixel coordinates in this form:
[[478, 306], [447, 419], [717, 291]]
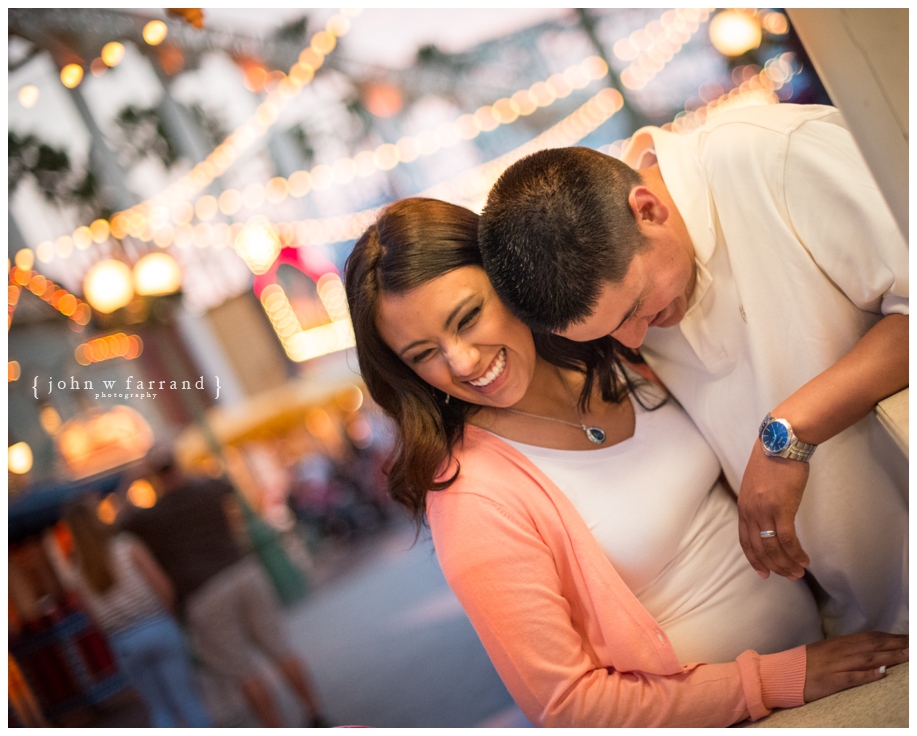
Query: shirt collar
[[684, 180]]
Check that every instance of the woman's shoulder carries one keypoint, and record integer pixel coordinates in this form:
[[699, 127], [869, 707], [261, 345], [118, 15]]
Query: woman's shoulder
[[491, 476]]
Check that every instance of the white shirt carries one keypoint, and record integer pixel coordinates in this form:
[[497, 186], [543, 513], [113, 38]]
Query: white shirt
[[797, 257], [670, 529]]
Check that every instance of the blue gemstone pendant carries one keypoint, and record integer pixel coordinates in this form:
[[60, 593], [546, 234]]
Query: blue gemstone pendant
[[595, 435]]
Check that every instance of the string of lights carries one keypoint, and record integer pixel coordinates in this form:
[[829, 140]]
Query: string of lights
[[141, 220], [757, 87], [59, 298], [650, 48], [473, 184], [387, 156], [117, 345], [158, 227]]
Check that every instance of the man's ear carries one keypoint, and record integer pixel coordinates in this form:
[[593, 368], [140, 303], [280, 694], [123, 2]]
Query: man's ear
[[648, 209]]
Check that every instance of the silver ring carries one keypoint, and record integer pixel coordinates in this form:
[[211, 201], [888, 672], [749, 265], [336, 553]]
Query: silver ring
[[767, 534]]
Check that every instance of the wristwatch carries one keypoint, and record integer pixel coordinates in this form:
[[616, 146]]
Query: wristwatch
[[778, 440]]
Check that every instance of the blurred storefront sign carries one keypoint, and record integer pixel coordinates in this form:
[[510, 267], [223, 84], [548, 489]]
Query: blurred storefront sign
[[96, 441]]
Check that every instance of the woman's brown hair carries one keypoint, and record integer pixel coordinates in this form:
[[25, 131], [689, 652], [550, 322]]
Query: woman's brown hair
[[91, 539], [414, 241]]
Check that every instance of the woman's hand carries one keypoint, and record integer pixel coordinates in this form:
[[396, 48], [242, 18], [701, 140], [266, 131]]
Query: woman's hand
[[847, 661]]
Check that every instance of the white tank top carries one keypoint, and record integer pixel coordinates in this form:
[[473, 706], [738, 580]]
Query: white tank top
[[656, 507]]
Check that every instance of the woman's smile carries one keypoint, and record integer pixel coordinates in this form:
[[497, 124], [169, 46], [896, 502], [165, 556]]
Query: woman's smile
[[446, 328], [494, 371]]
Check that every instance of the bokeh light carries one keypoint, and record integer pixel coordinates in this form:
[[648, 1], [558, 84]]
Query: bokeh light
[[19, 457], [733, 32], [112, 53], [28, 96], [154, 32], [108, 286], [157, 274], [71, 75]]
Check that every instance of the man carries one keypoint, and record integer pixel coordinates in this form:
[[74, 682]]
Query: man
[[760, 270], [224, 597]]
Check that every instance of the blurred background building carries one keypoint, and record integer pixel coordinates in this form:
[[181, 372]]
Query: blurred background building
[[184, 187]]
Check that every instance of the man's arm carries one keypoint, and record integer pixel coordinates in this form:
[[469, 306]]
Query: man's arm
[[834, 400]]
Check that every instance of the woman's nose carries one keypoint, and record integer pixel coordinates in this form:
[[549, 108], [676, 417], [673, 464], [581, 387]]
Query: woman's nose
[[463, 359]]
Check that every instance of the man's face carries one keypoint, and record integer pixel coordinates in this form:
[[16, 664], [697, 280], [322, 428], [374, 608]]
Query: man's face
[[653, 293]]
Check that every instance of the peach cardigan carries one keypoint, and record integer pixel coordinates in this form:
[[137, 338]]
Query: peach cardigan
[[570, 640]]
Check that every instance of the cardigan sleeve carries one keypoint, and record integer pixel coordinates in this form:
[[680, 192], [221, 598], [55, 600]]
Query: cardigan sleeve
[[506, 579]]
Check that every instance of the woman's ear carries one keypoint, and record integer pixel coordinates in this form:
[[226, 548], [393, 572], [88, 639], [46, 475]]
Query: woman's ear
[[648, 209]]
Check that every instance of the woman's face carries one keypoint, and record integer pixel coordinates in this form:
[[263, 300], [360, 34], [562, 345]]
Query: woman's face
[[459, 337]]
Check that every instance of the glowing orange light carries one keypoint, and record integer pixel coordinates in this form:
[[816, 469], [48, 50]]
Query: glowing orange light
[[154, 32], [24, 259], [71, 75], [112, 53], [19, 457], [142, 494], [382, 100], [156, 274], [108, 509], [732, 33], [108, 286]]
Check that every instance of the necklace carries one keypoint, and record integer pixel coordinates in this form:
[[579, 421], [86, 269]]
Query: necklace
[[596, 435]]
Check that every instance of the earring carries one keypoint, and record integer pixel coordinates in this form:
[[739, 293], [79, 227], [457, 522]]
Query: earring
[[448, 396]]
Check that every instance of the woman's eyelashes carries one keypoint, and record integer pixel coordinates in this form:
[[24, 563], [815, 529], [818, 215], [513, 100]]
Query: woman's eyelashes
[[469, 318], [466, 321], [422, 356]]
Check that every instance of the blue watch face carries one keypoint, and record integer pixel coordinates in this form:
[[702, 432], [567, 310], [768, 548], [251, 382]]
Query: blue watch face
[[775, 437]]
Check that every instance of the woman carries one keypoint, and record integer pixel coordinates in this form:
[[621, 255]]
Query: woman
[[130, 596], [583, 530]]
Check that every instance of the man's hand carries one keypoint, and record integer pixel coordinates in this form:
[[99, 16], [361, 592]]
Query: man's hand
[[768, 500]]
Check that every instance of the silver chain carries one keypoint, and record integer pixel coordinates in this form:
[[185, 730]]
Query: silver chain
[[596, 435], [581, 425]]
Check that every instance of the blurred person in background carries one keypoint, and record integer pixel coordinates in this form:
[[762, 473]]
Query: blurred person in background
[[577, 515], [224, 596], [130, 597]]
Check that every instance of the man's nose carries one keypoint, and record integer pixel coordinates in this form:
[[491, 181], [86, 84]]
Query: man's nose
[[631, 334]]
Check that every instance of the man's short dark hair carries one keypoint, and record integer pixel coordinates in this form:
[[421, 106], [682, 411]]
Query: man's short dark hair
[[557, 224]]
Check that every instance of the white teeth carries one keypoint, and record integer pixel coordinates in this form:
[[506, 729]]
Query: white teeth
[[492, 374]]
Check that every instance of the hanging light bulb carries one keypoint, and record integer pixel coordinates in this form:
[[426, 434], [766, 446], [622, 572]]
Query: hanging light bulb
[[156, 274], [108, 286], [733, 32]]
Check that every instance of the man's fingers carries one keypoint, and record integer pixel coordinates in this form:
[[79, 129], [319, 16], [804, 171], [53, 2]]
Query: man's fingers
[[748, 549], [786, 534], [770, 552], [777, 560]]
